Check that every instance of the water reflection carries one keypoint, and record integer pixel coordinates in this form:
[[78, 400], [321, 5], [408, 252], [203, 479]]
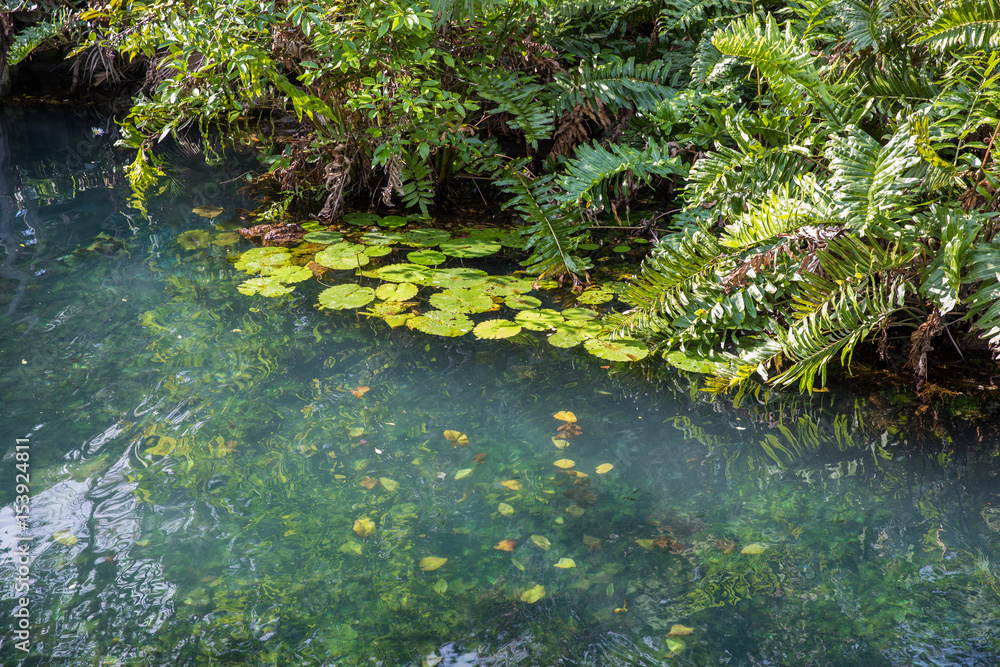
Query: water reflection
[[207, 454]]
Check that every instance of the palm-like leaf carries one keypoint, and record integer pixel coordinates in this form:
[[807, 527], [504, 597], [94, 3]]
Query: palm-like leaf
[[597, 175], [620, 84], [973, 24], [518, 96]]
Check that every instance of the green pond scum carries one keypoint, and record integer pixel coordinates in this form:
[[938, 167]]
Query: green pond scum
[[223, 479]]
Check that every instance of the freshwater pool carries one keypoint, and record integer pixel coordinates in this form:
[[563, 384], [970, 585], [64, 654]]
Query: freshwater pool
[[210, 484]]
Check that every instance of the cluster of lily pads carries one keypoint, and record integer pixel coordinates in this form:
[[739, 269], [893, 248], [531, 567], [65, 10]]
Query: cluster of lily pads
[[421, 294]]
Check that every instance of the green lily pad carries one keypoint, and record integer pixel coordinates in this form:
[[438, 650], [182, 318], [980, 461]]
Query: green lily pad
[[377, 250], [588, 246], [385, 308], [324, 237], [425, 238], [565, 338], [621, 248], [574, 332], [265, 286], [291, 274], [263, 260], [462, 301], [539, 320], [194, 239], [683, 362], [349, 295], [382, 238], [361, 219], [504, 286], [398, 320], [616, 350], [458, 278], [396, 292], [403, 273], [392, 221], [343, 256], [520, 302], [313, 226], [595, 295], [514, 239], [494, 329], [426, 257], [441, 323], [469, 247], [579, 314], [226, 239]]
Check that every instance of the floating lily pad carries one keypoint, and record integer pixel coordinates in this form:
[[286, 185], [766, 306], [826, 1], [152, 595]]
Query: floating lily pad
[[263, 260], [538, 320], [398, 320], [385, 308], [469, 247], [426, 257], [343, 256], [349, 295], [361, 219], [404, 273], [392, 221], [194, 239], [441, 323], [579, 314], [425, 238], [504, 286], [313, 226], [226, 239], [513, 239], [462, 301], [377, 250], [522, 302], [574, 332], [595, 296], [616, 350], [382, 238], [458, 278], [265, 286], [684, 362], [621, 248], [396, 291], [208, 211], [324, 237], [494, 329], [291, 274]]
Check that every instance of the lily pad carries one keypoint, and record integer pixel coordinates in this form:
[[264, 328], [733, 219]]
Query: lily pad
[[595, 295], [616, 350], [403, 273], [364, 527], [382, 238], [505, 509], [377, 250], [469, 247], [344, 296], [504, 286], [385, 308], [324, 237], [461, 301], [684, 362], [494, 329], [458, 278], [194, 239], [265, 286], [441, 323], [539, 320], [425, 238], [396, 291], [426, 257], [392, 221], [621, 248], [263, 260], [361, 219], [343, 256], [579, 314], [291, 274], [522, 302], [226, 239]]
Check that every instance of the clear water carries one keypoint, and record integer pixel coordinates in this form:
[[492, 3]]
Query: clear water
[[207, 462]]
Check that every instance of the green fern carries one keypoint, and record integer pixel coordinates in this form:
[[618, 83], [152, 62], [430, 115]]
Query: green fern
[[780, 213], [970, 24], [30, 38], [621, 84], [518, 96], [597, 175]]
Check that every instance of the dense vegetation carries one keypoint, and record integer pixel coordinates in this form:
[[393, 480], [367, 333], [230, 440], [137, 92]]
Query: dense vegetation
[[818, 174]]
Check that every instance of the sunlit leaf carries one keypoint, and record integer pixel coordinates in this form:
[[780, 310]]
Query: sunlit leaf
[[342, 256], [264, 286], [390, 485], [505, 509], [64, 537], [377, 250], [679, 631], [364, 527], [505, 545], [538, 320], [426, 257], [392, 221], [496, 329], [463, 473], [645, 544], [564, 463], [560, 443], [456, 438], [522, 302], [575, 510], [724, 545], [512, 484], [541, 542], [349, 295], [431, 563], [458, 278], [604, 468], [462, 301], [595, 295], [754, 549], [441, 323], [565, 415], [360, 391], [533, 595], [616, 350], [565, 563], [208, 211], [675, 645], [369, 482], [440, 587]]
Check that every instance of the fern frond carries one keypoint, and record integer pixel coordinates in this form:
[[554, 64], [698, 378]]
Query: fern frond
[[728, 173], [619, 84], [30, 38], [786, 62], [984, 303], [781, 212], [866, 22], [518, 96], [460, 11], [597, 175], [681, 14], [972, 24]]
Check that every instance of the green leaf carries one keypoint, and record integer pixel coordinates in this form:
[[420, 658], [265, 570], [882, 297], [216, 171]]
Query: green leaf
[[466, 248], [494, 329], [462, 301], [324, 237], [441, 323], [616, 350], [539, 320], [426, 257], [350, 295], [396, 292], [519, 302], [264, 286], [343, 256]]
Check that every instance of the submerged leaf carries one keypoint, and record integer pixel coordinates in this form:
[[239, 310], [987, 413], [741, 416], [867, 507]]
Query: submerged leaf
[[754, 549], [360, 391], [364, 527], [194, 239], [463, 473], [396, 291], [390, 485], [604, 468], [456, 438], [505, 545], [64, 537], [208, 211], [616, 350], [533, 595], [440, 587], [564, 463], [505, 509], [565, 415], [512, 484], [541, 542], [679, 631], [565, 563], [431, 563]]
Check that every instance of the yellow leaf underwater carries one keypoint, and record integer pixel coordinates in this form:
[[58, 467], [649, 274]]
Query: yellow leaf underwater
[[564, 463], [364, 527], [208, 211], [560, 443], [505, 545], [541, 542], [505, 509], [512, 484], [463, 473], [360, 391], [565, 563], [533, 595], [431, 563], [456, 438], [679, 630], [390, 485], [604, 468], [565, 415], [754, 549], [64, 537]]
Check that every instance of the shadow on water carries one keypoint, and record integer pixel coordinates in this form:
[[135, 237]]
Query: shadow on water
[[211, 485]]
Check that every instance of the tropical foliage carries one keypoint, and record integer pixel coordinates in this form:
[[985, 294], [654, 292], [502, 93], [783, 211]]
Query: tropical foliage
[[825, 166]]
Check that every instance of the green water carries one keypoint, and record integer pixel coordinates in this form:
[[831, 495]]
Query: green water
[[203, 462]]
